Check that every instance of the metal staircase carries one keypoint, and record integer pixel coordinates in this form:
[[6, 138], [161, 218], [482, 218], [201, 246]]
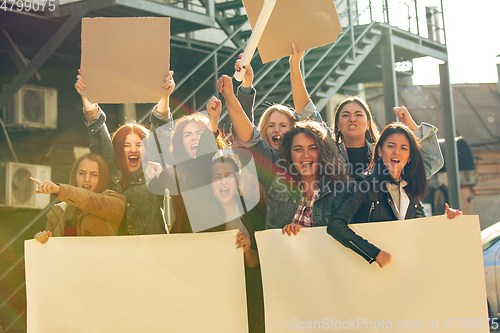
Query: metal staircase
[[326, 70], [354, 58]]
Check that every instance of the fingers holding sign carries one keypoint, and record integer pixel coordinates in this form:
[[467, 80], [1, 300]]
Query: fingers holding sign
[[80, 83], [292, 228], [46, 186], [248, 77], [169, 83], [43, 236], [296, 56], [243, 241]]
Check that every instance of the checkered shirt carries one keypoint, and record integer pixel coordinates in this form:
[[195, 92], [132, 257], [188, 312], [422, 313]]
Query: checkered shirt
[[303, 215]]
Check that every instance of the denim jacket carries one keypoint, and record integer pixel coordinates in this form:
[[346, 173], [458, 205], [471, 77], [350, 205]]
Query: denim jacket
[[143, 213], [283, 197]]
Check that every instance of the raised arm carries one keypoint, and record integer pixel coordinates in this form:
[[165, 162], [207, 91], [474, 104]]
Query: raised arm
[[246, 92], [242, 125], [299, 91], [95, 119], [161, 114], [426, 134]]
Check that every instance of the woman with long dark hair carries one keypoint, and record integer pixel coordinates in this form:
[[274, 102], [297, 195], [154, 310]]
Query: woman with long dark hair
[[355, 133], [392, 191], [88, 208]]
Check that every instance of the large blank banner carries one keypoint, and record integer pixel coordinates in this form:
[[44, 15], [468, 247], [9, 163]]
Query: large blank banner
[[435, 282], [157, 283]]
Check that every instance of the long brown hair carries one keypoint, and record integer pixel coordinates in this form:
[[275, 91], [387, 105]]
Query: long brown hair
[[71, 214], [414, 171], [118, 140], [372, 133], [331, 166], [264, 119], [179, 154]]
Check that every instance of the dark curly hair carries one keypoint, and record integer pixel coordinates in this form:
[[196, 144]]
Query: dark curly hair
[[332, 167]]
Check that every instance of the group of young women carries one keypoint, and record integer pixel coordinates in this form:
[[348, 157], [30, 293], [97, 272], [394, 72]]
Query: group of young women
[[306, 175]]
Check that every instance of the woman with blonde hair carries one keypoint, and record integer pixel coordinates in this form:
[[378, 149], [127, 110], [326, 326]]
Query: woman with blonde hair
[[88, 208]]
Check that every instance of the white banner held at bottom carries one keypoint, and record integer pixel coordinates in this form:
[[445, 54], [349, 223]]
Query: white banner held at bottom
[[435, 281], [156, 283]]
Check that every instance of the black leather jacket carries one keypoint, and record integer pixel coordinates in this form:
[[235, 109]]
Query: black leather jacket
[[368, 201]]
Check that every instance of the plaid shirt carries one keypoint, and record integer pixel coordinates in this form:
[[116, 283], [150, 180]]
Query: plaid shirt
[[303, 215]]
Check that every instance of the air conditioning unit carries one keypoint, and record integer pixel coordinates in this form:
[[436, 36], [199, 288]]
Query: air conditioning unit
[[17, 190], [32, 107]]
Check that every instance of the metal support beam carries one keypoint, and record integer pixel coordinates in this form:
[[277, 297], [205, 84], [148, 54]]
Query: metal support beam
[[221, 21], [171, 11], [12, 50], [389, 77], [450, 152], [17, 57], [40, 57], [351, 32], [80, 6]]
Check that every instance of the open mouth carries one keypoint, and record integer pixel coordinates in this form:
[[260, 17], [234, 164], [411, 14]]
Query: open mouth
[[194, 147], [394, 161], [224, 192], [276, 138], [133, 160], [87, 187], [306, 165], [352, 126]]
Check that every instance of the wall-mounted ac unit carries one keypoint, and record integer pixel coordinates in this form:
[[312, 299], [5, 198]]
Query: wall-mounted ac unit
[[32, 107], [17, 190]]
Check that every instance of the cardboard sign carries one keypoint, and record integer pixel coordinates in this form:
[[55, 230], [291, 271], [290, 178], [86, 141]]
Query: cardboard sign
[[125, 60], [435, 282], [306, 23], [155, 283]]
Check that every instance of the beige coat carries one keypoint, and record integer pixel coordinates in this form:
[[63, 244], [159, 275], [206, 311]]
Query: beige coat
[[103, 212]]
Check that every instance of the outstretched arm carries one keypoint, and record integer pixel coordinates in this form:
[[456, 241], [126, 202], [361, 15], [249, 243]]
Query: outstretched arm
[[108, 205]]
